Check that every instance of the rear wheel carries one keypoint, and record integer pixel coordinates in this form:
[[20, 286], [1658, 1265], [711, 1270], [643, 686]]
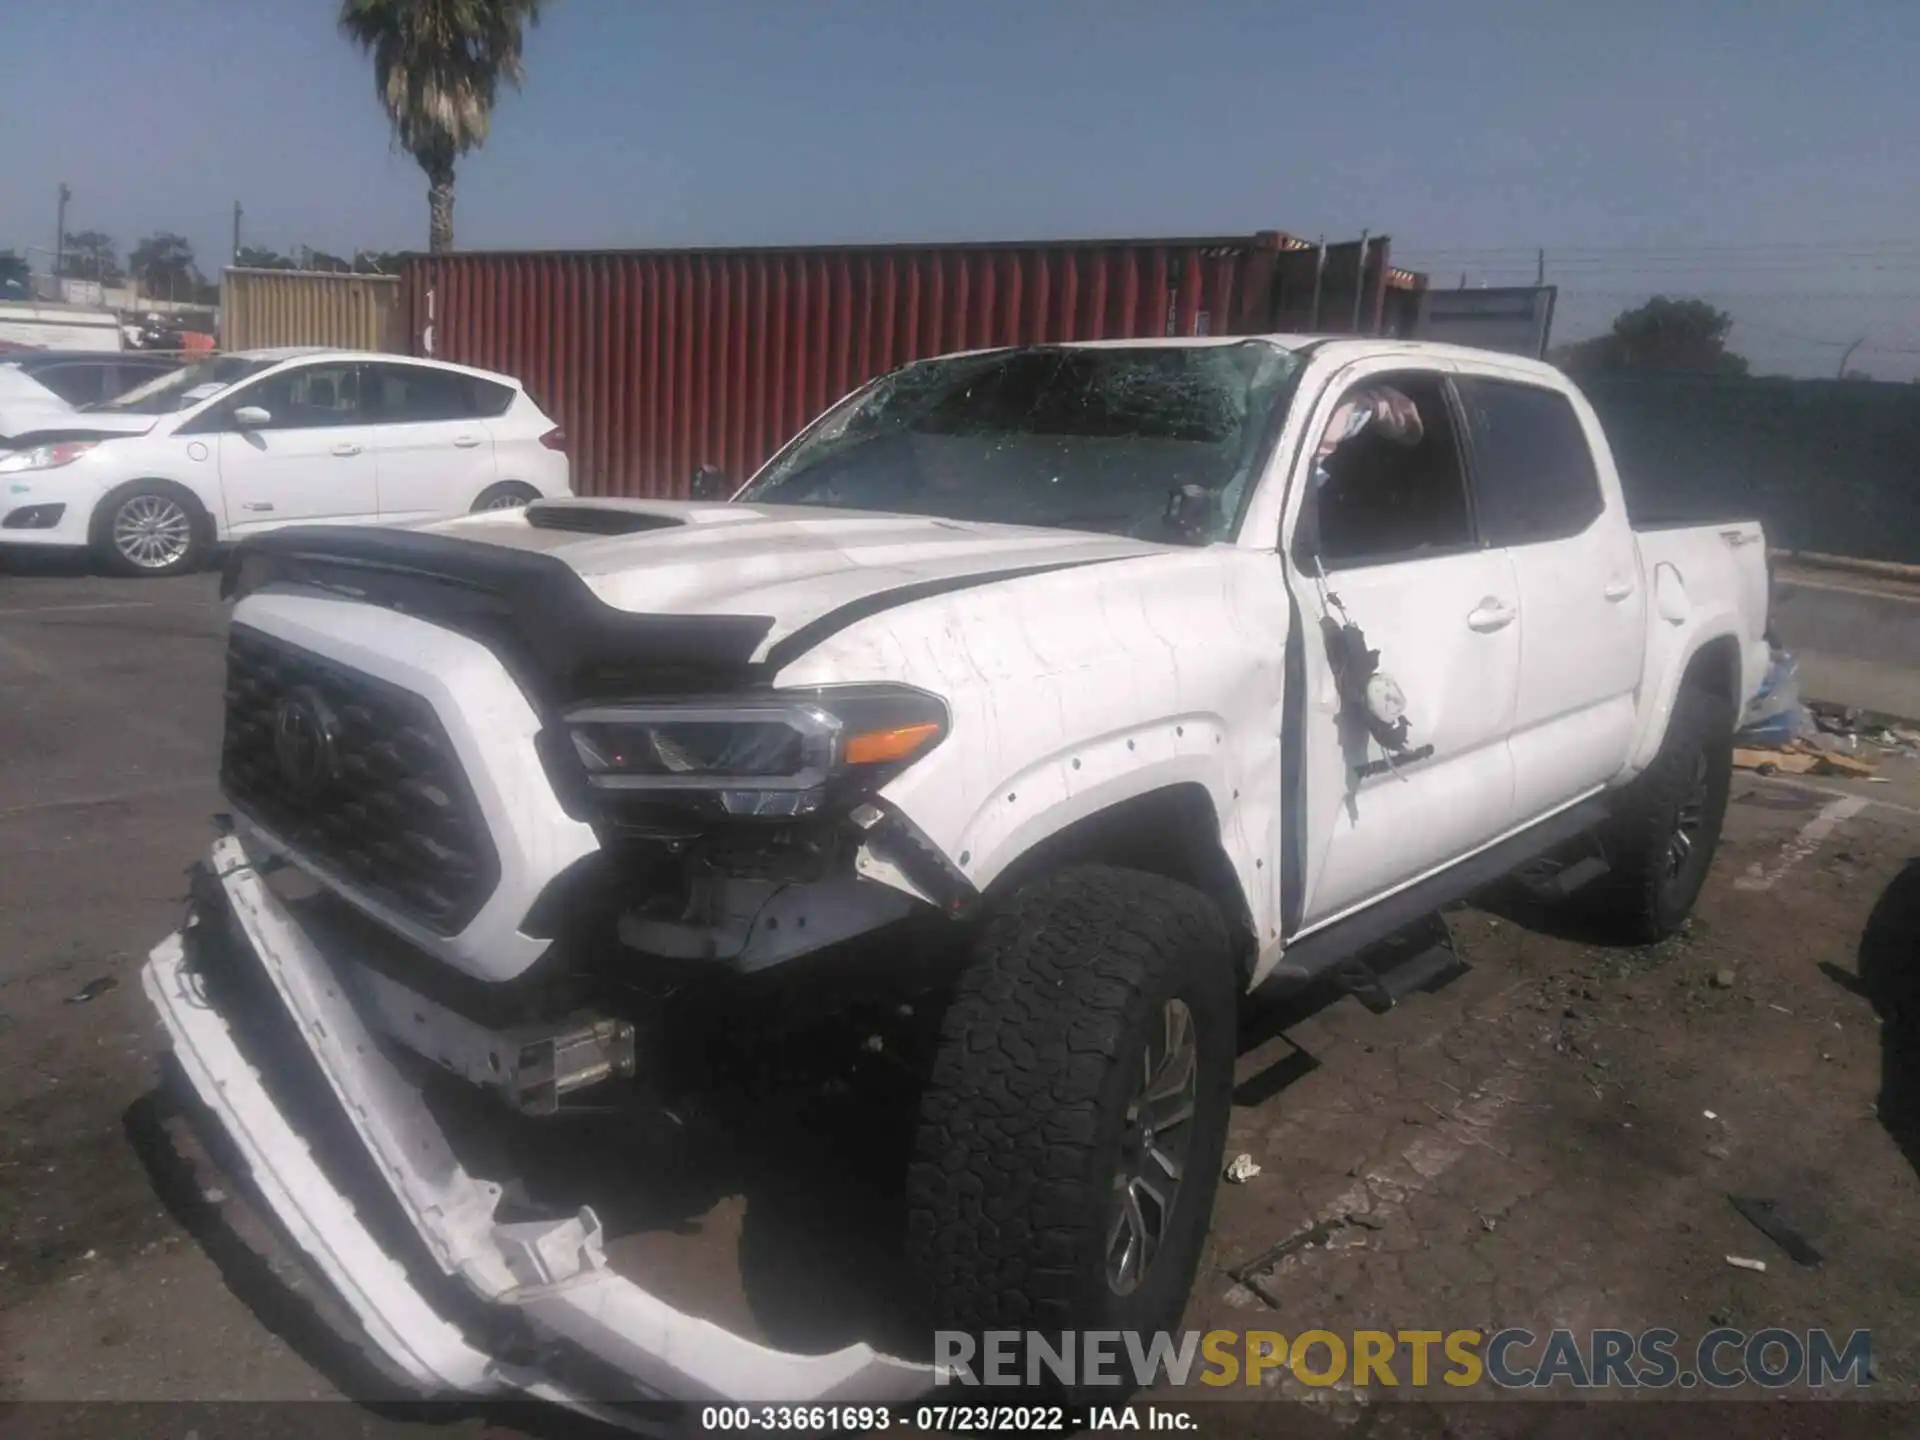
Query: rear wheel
[[1660, 841], [151, 527], [1071, 1132], [507, 495]]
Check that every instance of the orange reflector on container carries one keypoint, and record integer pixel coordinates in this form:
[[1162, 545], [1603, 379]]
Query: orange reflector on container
[[877, 746]]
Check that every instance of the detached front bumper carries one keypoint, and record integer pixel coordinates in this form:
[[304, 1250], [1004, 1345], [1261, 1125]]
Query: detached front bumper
[[546, 1281]]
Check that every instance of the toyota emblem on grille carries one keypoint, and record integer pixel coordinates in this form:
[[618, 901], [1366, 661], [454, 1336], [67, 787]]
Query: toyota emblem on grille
[[303, 741]]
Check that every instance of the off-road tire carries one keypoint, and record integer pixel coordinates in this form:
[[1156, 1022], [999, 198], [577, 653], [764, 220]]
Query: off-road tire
[[1644, 897], [1012, 1192], [107, 554]]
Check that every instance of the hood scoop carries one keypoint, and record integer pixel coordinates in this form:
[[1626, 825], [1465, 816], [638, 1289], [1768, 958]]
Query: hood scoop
[[596, 519]]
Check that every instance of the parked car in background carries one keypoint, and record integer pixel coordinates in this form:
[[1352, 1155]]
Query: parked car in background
[[45, 387], [246, 442]]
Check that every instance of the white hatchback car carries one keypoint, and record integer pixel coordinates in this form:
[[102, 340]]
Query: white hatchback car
[[248, 441]]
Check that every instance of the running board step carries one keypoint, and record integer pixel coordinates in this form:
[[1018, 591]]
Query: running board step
[[1380, 990], [1577, 876]]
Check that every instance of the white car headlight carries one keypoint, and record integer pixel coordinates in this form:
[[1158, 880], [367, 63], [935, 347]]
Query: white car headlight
[[781, 756], [45, 457]]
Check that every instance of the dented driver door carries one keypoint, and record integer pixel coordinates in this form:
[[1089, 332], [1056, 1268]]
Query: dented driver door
[[1383, 542]]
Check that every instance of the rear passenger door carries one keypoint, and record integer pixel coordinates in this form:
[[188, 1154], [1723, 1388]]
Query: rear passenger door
[[432, 452], [1538, 494]]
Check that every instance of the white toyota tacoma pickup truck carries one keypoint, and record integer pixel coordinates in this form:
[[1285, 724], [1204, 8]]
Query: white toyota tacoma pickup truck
[[1095, 690]]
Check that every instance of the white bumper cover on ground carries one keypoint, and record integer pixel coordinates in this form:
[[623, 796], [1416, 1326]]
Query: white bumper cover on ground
[[552, 1273]]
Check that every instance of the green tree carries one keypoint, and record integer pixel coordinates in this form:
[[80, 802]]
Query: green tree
[[437, 66], [90, 255], [1663, 334], [259, 257], [163, 264]]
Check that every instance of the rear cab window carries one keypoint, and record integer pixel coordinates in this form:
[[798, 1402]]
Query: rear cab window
[[1534, 479]]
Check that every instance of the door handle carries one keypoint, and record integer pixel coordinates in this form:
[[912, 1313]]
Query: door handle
[[1618, 589], [1491, 615], [346, 447], [466, 442]]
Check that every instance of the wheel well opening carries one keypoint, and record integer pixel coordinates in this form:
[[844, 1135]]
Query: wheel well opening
[[196, 510], [1715, 670], [1172, 832]]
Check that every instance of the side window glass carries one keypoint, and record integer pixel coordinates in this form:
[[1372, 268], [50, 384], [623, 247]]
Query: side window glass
[[312, 397], [489, 398], [1386, 479], [410, 394], [1533, 473]]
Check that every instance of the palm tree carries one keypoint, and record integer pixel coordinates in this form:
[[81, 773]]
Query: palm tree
[[438, 65]]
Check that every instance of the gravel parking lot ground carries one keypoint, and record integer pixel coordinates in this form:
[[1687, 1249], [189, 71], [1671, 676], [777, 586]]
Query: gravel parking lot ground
[[1550, 1140]]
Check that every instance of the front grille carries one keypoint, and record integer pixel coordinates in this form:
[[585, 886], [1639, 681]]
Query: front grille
[[358, 777]]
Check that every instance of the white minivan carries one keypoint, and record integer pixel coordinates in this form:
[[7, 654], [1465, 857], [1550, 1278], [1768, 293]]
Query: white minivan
[[249, 441]]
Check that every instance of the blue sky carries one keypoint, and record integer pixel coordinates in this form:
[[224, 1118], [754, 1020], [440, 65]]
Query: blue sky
[[1756, 151]]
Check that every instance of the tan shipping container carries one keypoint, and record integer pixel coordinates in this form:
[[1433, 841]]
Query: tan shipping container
[[265, 308]]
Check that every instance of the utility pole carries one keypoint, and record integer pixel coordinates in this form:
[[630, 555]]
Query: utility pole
[[1540, 268], [60, 231], [236, 232], [1360, 280], [1319, 273]]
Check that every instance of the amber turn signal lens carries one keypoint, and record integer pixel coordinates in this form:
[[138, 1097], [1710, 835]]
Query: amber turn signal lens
[[878, 746]]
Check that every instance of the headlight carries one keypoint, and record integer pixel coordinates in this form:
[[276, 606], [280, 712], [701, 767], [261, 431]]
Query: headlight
[[773, 757], [46, 457]]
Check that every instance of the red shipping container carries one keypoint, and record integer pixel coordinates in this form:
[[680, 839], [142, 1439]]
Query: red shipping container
[[656, 362]]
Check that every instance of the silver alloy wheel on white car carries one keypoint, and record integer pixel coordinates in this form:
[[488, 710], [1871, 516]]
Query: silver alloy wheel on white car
[[152, 531], [507, 502]]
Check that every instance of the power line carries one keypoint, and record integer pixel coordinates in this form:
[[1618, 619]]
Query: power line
[[1784, 249]]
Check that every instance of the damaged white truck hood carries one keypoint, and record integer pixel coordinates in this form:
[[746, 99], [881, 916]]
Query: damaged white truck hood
[[794, 564]]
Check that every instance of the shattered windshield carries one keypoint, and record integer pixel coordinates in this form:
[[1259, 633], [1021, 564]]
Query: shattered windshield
[[1075, 439], [178, 389]]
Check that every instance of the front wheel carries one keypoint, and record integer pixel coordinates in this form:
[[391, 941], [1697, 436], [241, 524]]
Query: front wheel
[[151, 528], [1071, 1132]]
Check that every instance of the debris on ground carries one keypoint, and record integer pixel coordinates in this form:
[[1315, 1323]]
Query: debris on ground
[[1766, 1217], [1797, 757], [1782, 734], [1242, 1169], [1832, 719], [1743, 1263], [1775, 717], [93, 990], [1721, 979], [1772, 762]]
